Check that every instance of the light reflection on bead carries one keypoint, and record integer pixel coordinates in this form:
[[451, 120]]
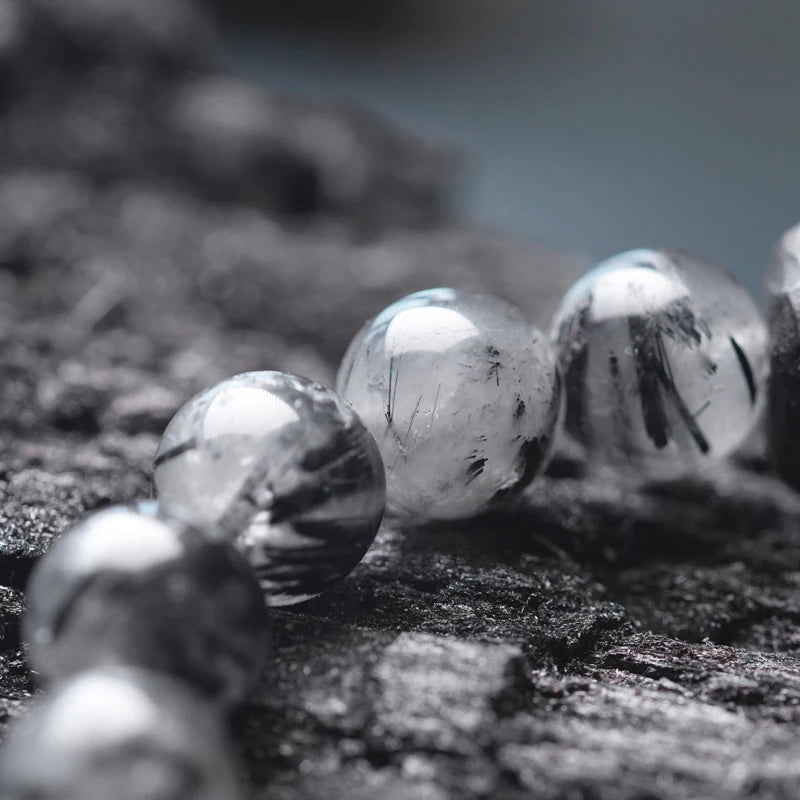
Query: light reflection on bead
[[118, 733], [462, 396], [286, 470], [664, 358], [140, 586]]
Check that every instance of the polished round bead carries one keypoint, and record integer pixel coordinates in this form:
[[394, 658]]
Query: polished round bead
[[664, 359], [139, 586], [783, 301], [462, 395], [286, 470], [122, 734]]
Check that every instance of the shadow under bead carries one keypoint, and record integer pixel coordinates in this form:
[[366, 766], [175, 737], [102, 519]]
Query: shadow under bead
[[140, 586], [118, 733], [285, 469], [664, 358]]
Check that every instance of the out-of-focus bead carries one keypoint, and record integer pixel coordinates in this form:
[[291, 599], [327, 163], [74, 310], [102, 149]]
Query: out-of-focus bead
[[140, 586], [118, 733]]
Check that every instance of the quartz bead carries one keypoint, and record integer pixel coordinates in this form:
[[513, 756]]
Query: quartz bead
[[118, 733], [664, 358], [140, 586], [286, 470], [783, 301], [462, 395]]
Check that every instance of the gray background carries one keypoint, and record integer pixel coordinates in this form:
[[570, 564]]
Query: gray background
[[590, 126]]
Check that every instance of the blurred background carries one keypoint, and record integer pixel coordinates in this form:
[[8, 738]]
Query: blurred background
[[592, 127]]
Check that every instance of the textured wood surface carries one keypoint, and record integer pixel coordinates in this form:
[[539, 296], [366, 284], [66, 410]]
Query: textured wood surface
[[163, 226]]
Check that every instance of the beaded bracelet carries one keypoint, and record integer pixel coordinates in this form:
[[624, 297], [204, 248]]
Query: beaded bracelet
[[455, 402]]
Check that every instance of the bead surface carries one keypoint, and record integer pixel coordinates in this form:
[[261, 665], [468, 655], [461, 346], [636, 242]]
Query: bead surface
[[462, 395], [783, 302], [285, 469], [139, 586], [664, 358], [122, 734]]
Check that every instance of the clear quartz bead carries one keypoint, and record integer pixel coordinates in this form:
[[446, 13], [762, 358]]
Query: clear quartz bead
[[283, 468], [783, 302], [118, 733], [140, 586], [664, 358], [462, 395]]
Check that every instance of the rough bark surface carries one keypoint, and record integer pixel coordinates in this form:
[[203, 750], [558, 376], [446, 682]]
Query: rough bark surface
[[163, 226]]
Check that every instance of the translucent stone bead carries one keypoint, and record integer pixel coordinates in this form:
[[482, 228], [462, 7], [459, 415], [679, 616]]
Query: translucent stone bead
[[664, 359], [462, 395], [139, 586], [284, 468], [122, 734], [783, 300]]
